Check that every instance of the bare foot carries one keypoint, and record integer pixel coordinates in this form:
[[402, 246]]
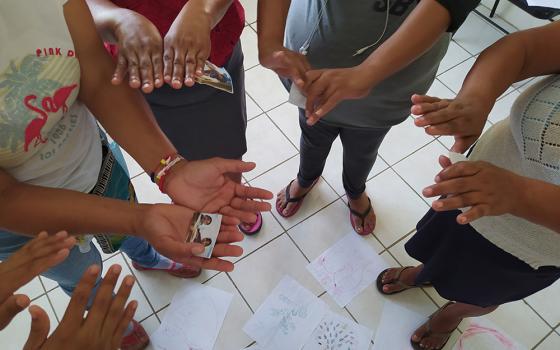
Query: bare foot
[[296, 191], [443, 322], [360, 205], [407, 277]]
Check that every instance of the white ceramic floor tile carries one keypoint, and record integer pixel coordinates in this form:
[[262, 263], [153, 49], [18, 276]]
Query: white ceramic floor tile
[[448, 141], [150, 325], [48, 283], [518, 320], [455, 55], [250, 50], [14, 336], [541, 302], [60, 300], [420, 168], [258, 274], [333, 306], [265, 87], [397, 206], [231, 337], [286, 117], [552, 342], [134, 169], [438, 89], [279, 177], [270, 230], [250, 7], [334, 167], [252, 109], [454, 77], [502, 107], [147, 191], [476, 34], [497, 18], [324, 229], [402, 140], [266, 145], [32, 289]]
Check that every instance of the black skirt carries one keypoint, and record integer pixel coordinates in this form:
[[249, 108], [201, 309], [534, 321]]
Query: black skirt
[[203, 122], [464, 266]]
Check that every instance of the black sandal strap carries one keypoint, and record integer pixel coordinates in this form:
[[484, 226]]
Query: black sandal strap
[[363, 215], [289, 199]]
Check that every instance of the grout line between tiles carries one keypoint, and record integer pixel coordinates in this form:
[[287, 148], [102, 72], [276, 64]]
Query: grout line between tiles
[[538, 314], [140, 286], [240, 293], [542, 340]]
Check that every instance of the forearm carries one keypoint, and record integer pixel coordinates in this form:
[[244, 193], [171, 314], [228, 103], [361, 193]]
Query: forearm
[[513, 58], [122, 111], [214, 10], [413, 38], [106, 16], [539, 203], [271, 25], [28, 209]]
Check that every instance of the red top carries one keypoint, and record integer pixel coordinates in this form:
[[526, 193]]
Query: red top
[[224, 36]]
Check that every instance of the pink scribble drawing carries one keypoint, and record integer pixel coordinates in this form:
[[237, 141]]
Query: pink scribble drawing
[[475, 329]]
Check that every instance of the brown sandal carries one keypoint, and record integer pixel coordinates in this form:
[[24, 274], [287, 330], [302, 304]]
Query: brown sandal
[[430, 333], [396, 280]]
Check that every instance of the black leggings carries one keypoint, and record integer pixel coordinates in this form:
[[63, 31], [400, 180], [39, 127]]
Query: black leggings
[[360, 152]]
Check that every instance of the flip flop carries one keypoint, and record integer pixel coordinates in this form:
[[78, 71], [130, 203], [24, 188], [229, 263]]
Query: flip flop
[[430, 333], [396, 280], [289, 199], [361, 216], [255, 228]]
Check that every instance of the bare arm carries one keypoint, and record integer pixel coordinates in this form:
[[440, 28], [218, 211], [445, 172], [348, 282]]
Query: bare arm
[[214, 10], [122, 111], [271, 25], [515, 57], [539, 203]]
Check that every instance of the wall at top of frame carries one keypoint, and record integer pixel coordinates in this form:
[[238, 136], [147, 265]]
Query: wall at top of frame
[[514, 15]]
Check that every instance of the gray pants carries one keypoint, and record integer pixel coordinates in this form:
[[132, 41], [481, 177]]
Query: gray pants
[[360, 152]]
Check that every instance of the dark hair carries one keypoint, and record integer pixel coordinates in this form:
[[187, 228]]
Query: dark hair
[[206, 240]]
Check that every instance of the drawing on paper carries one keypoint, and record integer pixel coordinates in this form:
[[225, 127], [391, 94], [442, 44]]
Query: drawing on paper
[[347, 268], [288, 314], [334, 335], [487, 336]]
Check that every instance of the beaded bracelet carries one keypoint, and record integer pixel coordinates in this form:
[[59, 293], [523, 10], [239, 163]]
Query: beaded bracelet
[[167, 163]]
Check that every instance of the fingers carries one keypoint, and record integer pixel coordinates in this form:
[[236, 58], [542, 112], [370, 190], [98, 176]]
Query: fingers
[[157, 63], [178, 75], [103, 297], [146, 72], [230, 221], [230, 235], [117, 308], [190, 67], [459, 201], [126, 318], [133, 70], [40, 327], [243, 216], [315, 90], [232, 166], [428, 107], [332, 101], [474, 213], [462, 144], [453, 186], [417, 99], [460, 169], [217, 265], [242, 191], [11, 307], [120, 70], [444, 162], [221, 250], [74, 314]]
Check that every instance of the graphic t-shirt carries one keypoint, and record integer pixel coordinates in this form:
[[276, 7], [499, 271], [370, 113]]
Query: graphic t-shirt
[[47, 137]]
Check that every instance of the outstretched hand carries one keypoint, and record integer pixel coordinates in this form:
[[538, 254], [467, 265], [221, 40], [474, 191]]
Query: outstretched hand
[[37, 256], [204, 186], [101, 329], [463, 118], [487, 189], [165, 226]]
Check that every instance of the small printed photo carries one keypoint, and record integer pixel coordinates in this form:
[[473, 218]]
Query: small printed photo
[[216, 77], [204, 229]]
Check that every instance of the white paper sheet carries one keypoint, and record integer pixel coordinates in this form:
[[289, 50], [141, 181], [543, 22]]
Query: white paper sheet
[[396, 327], [338, 332], [545, 3], [484, 335], [347, 268], [193, 320], [296, 97], [287, 317]]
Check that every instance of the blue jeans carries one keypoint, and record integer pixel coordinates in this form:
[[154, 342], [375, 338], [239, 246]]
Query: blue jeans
[[70, 271]]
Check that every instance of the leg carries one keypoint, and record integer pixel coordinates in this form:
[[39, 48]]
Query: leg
[[360, 152], [315, 145], [444, 322]]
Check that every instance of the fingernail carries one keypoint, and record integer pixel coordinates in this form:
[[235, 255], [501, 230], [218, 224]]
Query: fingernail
[[115, 269], [134, 305], [61, 234], [427, 191], [437, 178], [21, 302], [93, 270], [438, 205], [129, 281]]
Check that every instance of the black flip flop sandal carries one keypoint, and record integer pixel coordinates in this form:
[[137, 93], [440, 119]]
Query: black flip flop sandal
[[289, 199], [361, 216], [430, 333], [396, 280]]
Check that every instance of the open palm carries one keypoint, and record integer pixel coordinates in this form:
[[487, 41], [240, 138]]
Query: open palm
[[204, 186]]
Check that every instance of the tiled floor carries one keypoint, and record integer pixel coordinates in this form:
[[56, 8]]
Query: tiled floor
[[407, 163]]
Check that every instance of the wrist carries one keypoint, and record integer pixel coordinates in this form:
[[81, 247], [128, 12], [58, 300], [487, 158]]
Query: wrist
[[521, 188], [266, 50], [369, 73], [139, 213]]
